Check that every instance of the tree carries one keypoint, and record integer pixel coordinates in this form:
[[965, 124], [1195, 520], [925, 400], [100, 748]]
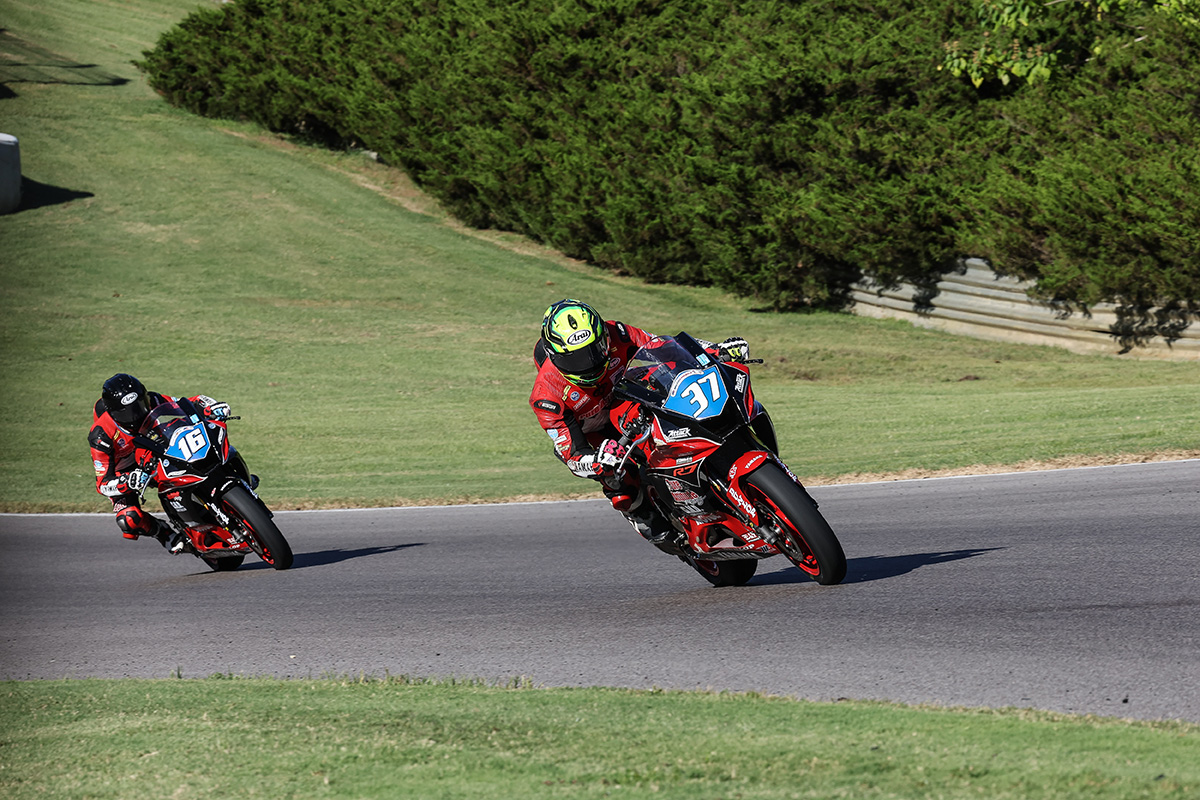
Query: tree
[[1030, 40]]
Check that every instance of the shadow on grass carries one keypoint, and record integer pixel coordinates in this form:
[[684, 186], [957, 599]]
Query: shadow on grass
[[24, 62], [877, 568], [38, 195]]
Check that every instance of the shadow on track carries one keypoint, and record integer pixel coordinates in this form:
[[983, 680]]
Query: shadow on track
[[323, 558], [875, 568]]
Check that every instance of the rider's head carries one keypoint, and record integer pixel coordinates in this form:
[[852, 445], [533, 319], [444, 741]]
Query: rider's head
[[576, 341], [126, 401]]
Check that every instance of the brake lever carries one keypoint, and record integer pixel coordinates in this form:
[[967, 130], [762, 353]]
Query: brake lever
[[629, 445]]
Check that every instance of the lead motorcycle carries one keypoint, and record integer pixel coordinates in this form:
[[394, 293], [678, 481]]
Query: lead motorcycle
[[706, 455], [205, 488]]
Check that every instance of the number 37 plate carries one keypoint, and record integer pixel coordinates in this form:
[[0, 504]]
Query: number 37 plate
[[698, 394]]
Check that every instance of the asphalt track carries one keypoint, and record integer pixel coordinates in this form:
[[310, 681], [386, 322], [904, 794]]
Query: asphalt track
[[1071, 590]]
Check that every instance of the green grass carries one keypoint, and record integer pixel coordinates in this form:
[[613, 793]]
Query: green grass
[[399, 738], [381, 354]]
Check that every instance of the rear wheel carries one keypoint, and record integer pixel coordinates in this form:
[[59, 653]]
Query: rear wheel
[[802, 534], [264, 537], [725, 573], [227, 564]]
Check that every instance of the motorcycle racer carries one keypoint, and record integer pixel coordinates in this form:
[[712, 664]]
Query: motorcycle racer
[[124, 403], [581, 358]]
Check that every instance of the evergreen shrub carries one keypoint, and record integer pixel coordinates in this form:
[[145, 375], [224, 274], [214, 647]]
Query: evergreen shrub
[[778, 150]]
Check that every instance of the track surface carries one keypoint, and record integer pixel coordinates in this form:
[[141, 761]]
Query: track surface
[[1072, 590]]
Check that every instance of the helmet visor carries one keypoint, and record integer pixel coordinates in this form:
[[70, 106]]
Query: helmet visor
[[129, 415], [584, 365]]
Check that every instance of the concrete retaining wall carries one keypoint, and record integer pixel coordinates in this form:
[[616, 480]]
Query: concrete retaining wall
[[977, 302], [10, 173]]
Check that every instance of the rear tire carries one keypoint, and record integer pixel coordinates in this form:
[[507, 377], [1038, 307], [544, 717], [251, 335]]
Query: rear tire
[[265, 538], [805, 538], [227, 564], [725, 573]]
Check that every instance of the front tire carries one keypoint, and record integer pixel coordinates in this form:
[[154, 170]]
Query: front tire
[[264, 537], [804, 536]]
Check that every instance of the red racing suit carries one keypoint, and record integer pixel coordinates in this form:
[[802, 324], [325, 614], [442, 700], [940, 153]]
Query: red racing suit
[[113, 450], [576, 417]]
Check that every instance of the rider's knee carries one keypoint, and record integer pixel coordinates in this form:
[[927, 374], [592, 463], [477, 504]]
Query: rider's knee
[[133, 522]]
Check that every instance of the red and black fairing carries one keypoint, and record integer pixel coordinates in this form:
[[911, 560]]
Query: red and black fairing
[[190, 461], [699, 433]]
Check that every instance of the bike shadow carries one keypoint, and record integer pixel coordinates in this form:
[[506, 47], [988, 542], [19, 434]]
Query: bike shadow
[[877, 568], [323, 558]]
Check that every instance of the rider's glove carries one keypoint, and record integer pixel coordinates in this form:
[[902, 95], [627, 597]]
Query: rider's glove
[[136, 480], [129, 483], [735, 349], [213, 409], [609, 454]]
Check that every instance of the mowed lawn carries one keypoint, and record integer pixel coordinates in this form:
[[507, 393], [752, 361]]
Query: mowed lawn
[[379, 353]]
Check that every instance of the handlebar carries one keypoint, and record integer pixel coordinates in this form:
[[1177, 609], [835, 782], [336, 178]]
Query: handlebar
[[641, 431]]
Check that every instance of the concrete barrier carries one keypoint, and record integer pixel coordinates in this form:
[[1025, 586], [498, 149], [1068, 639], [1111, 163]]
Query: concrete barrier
[[974, 301], [10, 173]]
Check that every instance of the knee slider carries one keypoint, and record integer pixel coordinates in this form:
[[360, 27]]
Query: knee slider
[[133, 521]]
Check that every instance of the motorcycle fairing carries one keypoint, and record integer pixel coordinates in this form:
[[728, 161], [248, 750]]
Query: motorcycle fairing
[[190, 453], [698, 394], [707, 434]]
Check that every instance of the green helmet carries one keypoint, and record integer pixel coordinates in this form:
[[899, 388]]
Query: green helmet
[[576, 341]]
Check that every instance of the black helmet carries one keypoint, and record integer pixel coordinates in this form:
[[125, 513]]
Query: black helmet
[[576, 341], [126, 401]]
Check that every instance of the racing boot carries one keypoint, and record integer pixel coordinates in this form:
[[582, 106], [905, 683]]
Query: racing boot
[[652, 526], [168, 537]]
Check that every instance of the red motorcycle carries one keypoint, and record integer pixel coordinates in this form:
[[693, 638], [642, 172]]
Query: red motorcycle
[[706, 455], [205, 488]]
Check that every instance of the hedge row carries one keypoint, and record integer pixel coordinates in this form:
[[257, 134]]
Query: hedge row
[[776, 149]]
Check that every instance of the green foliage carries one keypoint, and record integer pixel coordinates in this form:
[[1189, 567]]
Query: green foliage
[[1028, 39], [773, 149]]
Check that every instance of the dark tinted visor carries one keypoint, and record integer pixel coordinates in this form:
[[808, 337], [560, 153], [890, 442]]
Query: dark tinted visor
[[130, 416], [586, 361]]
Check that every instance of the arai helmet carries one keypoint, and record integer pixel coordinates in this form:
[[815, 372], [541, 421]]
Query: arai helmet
[[126, 401], [577, 341]]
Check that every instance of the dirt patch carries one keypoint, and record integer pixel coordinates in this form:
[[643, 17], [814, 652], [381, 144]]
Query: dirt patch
[[1066, 462]]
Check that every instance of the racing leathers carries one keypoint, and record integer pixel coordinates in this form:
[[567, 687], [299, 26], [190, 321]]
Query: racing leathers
[[576, 417], [117, 475]]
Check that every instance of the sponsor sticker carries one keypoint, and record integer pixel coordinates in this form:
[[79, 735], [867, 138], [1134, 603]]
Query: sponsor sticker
[[99, 467], [578, 337], [742, 502], [129, 399]]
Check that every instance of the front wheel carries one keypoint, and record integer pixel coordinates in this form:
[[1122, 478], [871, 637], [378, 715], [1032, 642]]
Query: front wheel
[[262, 534], [801, 533]]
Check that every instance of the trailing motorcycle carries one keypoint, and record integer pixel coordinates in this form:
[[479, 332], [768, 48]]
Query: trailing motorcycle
[[205, 488], [706, 455]]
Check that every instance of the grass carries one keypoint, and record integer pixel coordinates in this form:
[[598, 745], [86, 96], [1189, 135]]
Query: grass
[[378, 353], [367, 738]]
